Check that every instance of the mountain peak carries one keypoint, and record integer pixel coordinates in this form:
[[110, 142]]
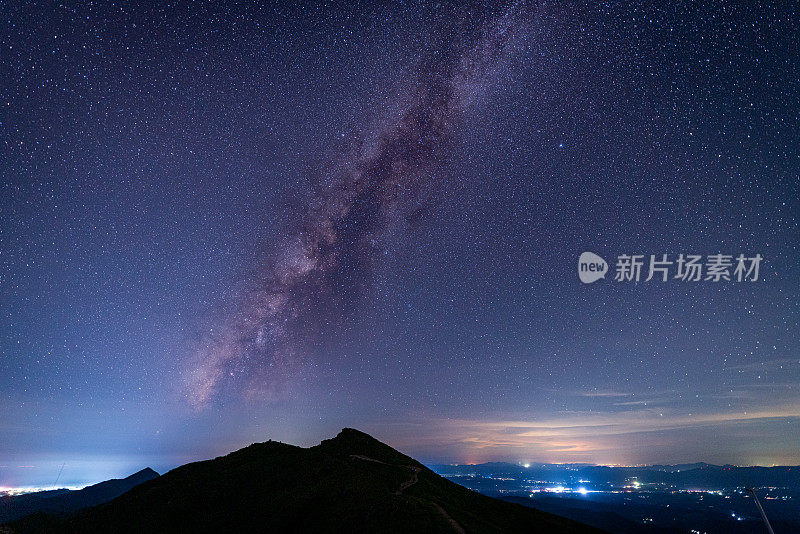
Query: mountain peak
[[352, 435], [352, 442], [146, 472], [347, 431]]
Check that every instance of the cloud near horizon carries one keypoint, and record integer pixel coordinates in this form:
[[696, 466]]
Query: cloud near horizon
[[598, 437]]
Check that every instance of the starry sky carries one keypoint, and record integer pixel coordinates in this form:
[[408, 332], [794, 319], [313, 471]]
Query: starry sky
[[231, 222]]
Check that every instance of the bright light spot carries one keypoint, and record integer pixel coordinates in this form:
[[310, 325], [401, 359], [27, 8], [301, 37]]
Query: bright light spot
[[33, 489], [526, 465], [583, 491]]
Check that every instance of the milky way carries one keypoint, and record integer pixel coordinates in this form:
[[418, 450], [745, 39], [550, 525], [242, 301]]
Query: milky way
[[318, 273], [226, 222]]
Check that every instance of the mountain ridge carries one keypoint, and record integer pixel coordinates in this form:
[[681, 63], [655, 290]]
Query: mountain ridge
[[62, 501], [349, 483]]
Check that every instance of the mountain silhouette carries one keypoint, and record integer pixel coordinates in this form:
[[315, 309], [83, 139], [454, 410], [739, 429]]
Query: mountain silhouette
[[351, 483], [63, 500]]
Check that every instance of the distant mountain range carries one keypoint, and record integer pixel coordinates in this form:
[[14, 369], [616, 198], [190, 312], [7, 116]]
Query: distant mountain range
[[654, 499], [62, 501], [352, 483], [697, 475]]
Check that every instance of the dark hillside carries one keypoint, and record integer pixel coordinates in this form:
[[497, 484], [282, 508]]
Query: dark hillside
[[351, 483]]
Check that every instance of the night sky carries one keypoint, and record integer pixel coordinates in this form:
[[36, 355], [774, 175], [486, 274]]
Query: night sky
[[226, 223]]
